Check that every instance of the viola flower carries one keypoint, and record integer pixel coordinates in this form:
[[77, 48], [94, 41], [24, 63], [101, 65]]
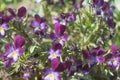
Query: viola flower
[[99, 52], [51, 75], [27, 72], [91, 60], [113, 57], [13, 51], [94, 56], [113, 62], [39, 25], [53, 53], [97, 5], [3, 27], [59, 36]]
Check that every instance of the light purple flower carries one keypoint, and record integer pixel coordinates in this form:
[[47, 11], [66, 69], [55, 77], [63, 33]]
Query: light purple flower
[[27, 72], [3, 28], [39, 24], [13, 51], [53, 53], [51, 75], [113, 62]]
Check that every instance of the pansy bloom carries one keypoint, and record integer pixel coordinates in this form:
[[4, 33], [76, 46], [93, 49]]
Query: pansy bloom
[[94, 56], [113, 58], [13, 51], [113, 61], [39, 24], [53, 53], [27, 72], [51, 75], [59, 36], [3, 27]]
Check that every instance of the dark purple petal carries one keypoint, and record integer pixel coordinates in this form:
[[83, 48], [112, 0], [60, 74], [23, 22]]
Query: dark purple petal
[[98, 51], [113, 47], [19, 41], [47, 71], [21, 11], [57, 28], [53, 36], [56, 46], [37, 18], [111, 23], [85, 69], [67, 64], [10, 10], [62, 29], [60, 68], [5, 18], [1, 14], [100, 59], [86, 54], [55, 63]]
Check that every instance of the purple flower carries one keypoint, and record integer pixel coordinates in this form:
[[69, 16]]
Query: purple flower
[[13, 51], [53, 53], [59, 36], [39, 25], [3, 27], [51, 75], [27, 72], [93, 56], [113, 62], [114, 48], [113, 58]]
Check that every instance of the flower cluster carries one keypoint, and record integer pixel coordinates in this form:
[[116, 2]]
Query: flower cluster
[[104, 8], [50, 38]]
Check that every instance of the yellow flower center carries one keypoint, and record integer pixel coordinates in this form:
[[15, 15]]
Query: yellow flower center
[[59, 39], [51, 76], [1, 28], [54, 55], [14, 53], [113, 60], [27, 72], [37, 28]]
